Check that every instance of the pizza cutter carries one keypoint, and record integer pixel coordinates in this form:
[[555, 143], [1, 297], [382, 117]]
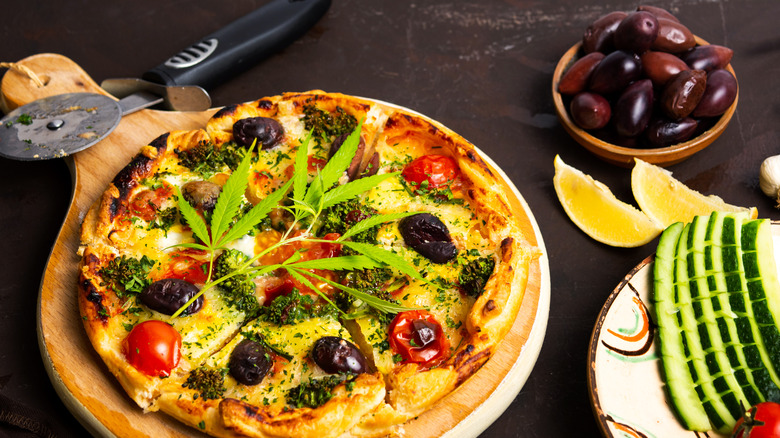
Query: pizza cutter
[[63, 124]]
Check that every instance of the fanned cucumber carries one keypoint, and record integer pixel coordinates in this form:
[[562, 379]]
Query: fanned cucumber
[[717, 306]]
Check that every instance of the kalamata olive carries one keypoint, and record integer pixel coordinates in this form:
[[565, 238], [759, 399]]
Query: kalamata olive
[[202, 195], [658, 12], [423, 332], [267, 131], [673, 37], [634, 108], [169, 295], [590, 110], [428, 235], [663, 132], [615, 72], [598, 37], [682, 93], [661, 66], [354, 165], [636, 32], [718, 96], [707, 57], [337, 355], [609, 135], [371, 167], [576, 77], [249, 362]]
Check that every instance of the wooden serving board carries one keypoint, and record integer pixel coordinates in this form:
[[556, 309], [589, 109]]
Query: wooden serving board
[[79, 375]]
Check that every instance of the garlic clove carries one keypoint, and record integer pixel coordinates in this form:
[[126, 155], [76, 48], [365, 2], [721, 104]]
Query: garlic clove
[[769, 176]]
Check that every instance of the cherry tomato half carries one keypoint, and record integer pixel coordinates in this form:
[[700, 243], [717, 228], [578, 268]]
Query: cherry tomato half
[[146, 203], [187, 268], [430, 172], [310, 251], [760, 421], [153, 348], [418, 338]]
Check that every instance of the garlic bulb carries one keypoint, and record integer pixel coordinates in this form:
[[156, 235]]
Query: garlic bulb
[[769, 177]]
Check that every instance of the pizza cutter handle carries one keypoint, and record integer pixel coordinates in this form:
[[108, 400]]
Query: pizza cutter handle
[[240, 44]]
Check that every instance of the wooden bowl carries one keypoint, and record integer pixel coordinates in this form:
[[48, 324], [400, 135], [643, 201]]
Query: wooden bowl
[[624, 156]]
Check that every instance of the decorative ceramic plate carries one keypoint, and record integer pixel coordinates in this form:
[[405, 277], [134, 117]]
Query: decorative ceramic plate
[[624, 368]]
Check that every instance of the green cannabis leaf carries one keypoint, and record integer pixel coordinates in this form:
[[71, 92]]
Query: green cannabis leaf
[[308, 200]]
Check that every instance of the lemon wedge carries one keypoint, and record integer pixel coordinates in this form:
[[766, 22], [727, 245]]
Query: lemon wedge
[[666, 200], [596, 211]]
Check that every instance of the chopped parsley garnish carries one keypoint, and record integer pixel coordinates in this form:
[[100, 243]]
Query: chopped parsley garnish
[[209, 382], [207, 159], [315, 392], [325, 125], [127, 275], [294, 308]]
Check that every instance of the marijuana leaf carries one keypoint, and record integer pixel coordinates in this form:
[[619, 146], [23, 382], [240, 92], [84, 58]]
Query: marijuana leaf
[[307, 204], [230, 200], [386, 257], [353, 188], [335, 168]]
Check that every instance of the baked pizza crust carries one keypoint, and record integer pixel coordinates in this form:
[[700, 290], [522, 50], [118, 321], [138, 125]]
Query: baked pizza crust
[[377, 405]]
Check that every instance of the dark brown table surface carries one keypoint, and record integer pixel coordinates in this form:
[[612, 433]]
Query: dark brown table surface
[[483, 68]]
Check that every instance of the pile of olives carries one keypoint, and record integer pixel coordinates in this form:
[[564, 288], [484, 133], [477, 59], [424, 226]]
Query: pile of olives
[[642, 81]]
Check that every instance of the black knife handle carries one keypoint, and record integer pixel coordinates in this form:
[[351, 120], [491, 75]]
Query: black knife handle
[[240, 44]]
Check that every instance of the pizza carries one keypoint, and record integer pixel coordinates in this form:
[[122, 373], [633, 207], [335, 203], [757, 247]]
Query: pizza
[[306, 265]]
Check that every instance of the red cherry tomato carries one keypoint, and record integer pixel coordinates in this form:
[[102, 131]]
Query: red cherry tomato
[[309, 251], [187, 268], [146, 203], [760, 421], [430, 172], [153, 348], [418, 338]]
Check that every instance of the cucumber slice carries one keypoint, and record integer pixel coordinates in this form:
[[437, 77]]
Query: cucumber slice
[[718, 363], [742, 361], [717, 411], [751, 370], [762, 282], [672, 341]]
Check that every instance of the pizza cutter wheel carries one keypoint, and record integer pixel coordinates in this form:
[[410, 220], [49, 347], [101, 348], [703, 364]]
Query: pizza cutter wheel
[[57, 126], [60, 125]]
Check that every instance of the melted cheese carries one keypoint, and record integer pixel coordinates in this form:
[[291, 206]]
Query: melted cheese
[[202, 333], [294, 340]]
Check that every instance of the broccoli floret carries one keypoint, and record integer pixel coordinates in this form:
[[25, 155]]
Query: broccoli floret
[[207, 159], [370, 280], [127, 275], [294, 308], [315, 392], [239, 290], [325, 125], [209, 382], [342, 216], [475, 274]]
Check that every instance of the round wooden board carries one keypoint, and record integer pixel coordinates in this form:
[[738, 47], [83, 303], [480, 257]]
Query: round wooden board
[[91, 392]]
